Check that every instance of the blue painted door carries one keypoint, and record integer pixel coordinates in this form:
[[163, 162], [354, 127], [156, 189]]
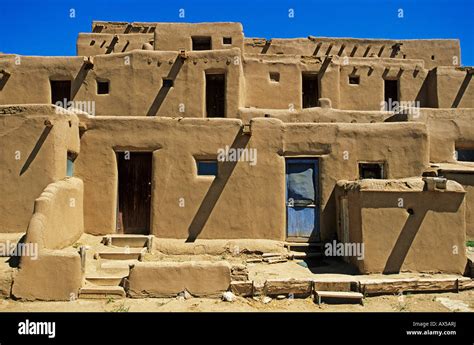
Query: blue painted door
[[302, 201]]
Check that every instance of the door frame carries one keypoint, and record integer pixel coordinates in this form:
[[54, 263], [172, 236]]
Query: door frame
[[316, 161], [118, 222]]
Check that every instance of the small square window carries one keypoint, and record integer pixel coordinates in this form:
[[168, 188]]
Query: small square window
[[354, 79], [275, 76], [371, 170], [227, 40], [201, 43], [167, 82], [102, 87], [464, 155], [207, 167]]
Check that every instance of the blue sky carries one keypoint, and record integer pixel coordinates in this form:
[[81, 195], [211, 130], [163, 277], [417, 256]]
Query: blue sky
[[31, 27]]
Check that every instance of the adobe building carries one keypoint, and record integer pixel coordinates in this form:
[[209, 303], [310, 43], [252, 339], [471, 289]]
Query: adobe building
[[184, 133]]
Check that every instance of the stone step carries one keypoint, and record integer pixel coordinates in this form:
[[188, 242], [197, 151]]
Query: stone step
[[306, 247], [304, 255], [103, 280], [121, 254], [115, 267], [132, 241], [338, 295], [100, 292]]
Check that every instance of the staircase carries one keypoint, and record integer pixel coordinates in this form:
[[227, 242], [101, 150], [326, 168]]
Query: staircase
[[107, 268], [304, 250]]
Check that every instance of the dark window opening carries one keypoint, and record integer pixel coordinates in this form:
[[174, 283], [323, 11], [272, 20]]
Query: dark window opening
[[60, 92], [102, 87], [310, 90], [354, 80], [391, 98], [227, 40], [464, 155], [371, 170], [275, 76], [207, 167], [201, 43], [432, 57], [167, 82], [70, 164], [215, 95]]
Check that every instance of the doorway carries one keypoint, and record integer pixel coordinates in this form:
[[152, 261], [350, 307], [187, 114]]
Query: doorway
[[310, 90], [61, 92], [134, 192], [302, 199], [391, 94], [215, 95]]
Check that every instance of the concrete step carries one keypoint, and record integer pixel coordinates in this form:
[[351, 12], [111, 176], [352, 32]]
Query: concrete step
[[338, 296], [121, 254], [103, 280], [304, 255], [132, 241], [99, 292]]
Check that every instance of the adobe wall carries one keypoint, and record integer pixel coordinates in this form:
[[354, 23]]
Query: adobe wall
[[436, 52], [136, 81], [177, 36], [467, 181], [432, 239], [455, 89], [25, 133], [221, 207], [88, 44]]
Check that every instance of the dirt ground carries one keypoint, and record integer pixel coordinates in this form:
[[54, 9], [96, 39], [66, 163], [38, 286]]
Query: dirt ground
[[439, 302]]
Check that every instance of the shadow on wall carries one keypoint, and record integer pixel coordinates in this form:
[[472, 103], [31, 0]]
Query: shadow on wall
[[39, 143], [165, 88], [462, 90], [215, 190], [410, 229]]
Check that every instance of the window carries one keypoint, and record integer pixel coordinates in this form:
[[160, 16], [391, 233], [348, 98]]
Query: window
[[207, 167], [464, 155], [215, 95], [167, 82], [275, 76], [310, 90], [227, 40], [371, 170], [70, 164], [201, 43], [60, 92], [102, 87], [354, 79]]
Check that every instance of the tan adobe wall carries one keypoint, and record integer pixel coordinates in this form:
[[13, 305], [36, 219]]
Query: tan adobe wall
[[215, 208], [33, 156], [177, 36], [430, 240], [454, 88], [446, 52], [467, 181], [57, 221], [97, 43], [135, 78]]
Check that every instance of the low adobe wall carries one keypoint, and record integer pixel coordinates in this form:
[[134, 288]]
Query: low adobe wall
[[166, 279], [405, 228], [55, 274], [57, 221]]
